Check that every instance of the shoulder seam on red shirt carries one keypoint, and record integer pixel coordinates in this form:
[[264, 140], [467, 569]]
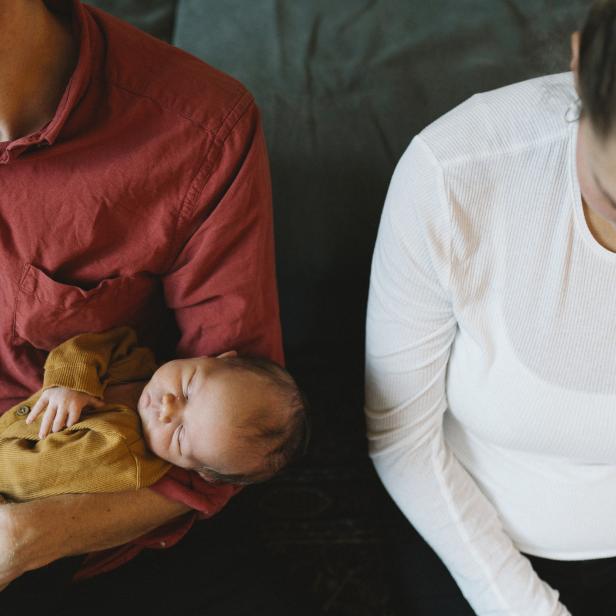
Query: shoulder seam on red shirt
[[207, 163], [166, 108]]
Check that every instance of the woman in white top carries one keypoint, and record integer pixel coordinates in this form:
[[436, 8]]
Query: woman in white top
[[491, 339]]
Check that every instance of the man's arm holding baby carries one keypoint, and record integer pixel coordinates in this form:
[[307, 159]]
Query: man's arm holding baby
[[237, 308], [31, 535]]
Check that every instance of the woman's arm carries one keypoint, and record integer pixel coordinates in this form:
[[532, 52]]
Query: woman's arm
[[410, 330], [36, 533]]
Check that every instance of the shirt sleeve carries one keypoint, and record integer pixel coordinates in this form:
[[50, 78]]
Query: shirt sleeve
[[206, 499], [410, 329], [222, 285]]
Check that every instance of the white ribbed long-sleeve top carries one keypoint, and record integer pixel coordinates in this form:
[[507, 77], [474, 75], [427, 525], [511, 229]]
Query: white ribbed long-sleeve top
[[491, 348]]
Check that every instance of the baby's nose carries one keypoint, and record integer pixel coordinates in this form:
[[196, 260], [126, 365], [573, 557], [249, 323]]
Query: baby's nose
[[167, 408]]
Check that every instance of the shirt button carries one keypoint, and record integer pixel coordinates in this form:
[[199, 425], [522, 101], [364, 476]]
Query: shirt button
[[163, 544], [23, 410]]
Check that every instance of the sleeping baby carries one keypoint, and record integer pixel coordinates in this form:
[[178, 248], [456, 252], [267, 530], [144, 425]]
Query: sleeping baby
[[231, 419]]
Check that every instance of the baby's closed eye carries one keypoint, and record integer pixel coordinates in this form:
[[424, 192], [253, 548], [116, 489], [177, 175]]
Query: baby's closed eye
[[179, 432]]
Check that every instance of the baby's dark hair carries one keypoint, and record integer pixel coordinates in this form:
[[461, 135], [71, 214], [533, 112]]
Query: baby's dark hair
[[288, 442], [597, 66]]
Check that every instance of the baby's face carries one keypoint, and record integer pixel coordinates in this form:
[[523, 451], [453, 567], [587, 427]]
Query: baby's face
[[190, 411]]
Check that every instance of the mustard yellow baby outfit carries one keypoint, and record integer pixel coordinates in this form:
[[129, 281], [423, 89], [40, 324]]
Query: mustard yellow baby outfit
[[105, 450]]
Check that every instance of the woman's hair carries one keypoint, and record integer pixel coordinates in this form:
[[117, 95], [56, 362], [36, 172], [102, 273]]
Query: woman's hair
[[597, 67]]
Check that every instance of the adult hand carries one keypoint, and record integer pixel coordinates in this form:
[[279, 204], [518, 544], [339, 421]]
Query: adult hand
[[30, 536]]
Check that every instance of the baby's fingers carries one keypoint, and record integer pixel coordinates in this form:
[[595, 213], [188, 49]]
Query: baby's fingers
[[47, 421], [37, 409], [74, 414], [61, 416], [96, 403]]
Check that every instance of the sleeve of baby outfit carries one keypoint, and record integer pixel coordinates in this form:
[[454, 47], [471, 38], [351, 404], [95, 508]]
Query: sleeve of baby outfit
[[90, 362], [410, 329]]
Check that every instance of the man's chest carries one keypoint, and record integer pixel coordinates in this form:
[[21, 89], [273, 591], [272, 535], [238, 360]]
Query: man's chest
[[79, 222], [83, 245]]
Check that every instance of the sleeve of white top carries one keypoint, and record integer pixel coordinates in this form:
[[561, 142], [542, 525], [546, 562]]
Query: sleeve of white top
[[410, 330]]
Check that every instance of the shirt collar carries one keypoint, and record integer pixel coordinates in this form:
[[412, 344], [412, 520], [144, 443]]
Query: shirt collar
[[84, 29]]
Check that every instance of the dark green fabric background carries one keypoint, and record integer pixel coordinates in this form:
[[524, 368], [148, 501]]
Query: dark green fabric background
[[343, 85]]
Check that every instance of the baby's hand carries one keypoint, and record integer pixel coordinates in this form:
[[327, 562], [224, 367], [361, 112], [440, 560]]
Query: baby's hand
[[63, 408]]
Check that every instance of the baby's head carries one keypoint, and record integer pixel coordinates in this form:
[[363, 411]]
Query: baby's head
[[232, 419]]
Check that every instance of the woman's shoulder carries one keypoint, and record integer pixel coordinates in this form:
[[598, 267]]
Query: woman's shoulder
[[501, 121]]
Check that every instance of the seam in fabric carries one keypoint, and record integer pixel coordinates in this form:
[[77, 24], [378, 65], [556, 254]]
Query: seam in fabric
[[137, 467], [24, 272], [506, 152], [207, 164], [453, 511], [214, 152], [444, 201], [163, 107]]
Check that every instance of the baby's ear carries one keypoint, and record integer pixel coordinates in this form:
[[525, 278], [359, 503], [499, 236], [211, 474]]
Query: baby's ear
[[227, 354]]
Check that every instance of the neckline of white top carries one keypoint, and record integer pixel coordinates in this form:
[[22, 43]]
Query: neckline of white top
[[576, 196]]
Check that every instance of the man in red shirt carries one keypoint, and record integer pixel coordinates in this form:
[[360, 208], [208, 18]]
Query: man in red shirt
[[134, 190]]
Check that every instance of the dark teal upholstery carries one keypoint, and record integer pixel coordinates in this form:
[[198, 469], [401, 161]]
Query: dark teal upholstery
[[154, 16], [343, 85]]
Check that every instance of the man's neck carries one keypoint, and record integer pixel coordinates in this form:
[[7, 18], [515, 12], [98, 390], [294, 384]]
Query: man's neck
[[38, 56]]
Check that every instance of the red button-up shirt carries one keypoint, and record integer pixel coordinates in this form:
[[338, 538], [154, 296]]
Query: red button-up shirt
[[145, 201]]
